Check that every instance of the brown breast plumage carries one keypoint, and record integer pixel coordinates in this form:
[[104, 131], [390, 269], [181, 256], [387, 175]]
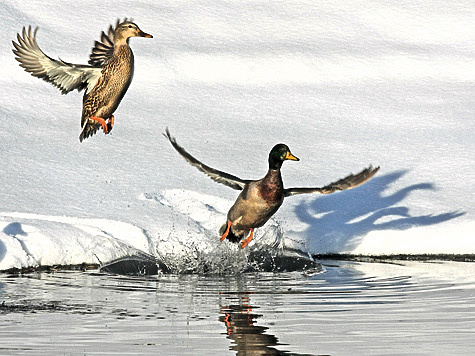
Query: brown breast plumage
[[117, 74]]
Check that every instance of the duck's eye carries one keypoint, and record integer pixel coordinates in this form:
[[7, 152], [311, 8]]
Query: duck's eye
[[130, 26]]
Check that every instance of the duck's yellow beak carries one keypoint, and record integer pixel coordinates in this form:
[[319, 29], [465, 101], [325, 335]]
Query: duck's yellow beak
[[291, 157]]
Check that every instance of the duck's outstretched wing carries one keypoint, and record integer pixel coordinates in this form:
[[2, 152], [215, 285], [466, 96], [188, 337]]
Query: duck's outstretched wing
[[65, 76], [218, 176], [351, 181]]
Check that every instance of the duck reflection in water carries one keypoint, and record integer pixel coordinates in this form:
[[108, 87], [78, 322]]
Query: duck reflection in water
[[241, 328]]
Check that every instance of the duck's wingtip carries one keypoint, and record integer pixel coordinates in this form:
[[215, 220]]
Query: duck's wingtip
[[372, 170], [167, 133], [169, 136]]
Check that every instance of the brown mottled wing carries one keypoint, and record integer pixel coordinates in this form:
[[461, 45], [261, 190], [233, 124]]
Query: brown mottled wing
[[103, 50], [349, 182], [65, 76], [214, 174]]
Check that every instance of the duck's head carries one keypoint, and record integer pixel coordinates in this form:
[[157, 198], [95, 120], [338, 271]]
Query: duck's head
[[279, 154], [128, 29]]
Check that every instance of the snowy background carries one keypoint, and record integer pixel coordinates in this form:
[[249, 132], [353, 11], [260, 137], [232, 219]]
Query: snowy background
[[344, 85]]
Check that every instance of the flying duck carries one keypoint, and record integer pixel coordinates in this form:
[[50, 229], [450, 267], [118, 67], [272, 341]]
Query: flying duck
[[105, 80]]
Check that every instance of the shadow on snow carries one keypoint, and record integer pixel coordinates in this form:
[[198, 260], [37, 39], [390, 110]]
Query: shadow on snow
[[341, 219], [13, 229]]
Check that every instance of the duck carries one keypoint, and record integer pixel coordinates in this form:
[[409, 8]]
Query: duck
[[105, 78], [260, 199]]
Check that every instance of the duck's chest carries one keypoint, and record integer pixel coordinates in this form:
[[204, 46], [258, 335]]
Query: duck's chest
[[118, 72], [271, 191], [257, 203], [268, 191]]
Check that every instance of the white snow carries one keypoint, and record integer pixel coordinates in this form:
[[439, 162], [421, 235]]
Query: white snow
[[344, 85]]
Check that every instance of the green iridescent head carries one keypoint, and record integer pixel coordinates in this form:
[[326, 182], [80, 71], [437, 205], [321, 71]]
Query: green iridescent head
[[279, 154]]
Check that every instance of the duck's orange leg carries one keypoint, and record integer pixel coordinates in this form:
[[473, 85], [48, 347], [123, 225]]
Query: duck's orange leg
[[229, 326], [101, 121], [245, 242], [110, 124], [223, 236]]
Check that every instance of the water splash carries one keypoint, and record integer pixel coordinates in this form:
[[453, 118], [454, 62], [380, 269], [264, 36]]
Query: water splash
[[269, 253], [187, 242]]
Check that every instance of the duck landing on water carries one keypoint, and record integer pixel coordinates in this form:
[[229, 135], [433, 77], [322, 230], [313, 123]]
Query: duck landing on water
[[260, 199], [105, 80]]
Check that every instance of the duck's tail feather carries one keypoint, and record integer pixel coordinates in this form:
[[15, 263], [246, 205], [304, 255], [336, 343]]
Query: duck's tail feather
[[88, 129], [231, 236]]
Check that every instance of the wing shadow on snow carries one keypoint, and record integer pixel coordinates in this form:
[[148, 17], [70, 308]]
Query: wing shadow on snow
[[13, 229], [341, 219]]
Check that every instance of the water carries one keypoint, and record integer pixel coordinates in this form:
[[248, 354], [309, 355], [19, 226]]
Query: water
[[349, 308]]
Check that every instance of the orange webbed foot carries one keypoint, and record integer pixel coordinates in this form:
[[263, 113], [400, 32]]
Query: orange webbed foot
[[223, 236], [245, 242], [101, 121], [110, 124]]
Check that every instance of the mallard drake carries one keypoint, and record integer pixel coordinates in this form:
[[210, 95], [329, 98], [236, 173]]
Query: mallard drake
[[260, 199], [105, 79]]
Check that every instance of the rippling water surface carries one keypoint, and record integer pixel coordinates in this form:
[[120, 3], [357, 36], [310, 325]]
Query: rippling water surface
[[348, 308]]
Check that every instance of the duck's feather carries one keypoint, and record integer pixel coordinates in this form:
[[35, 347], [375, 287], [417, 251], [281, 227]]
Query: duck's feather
[[218, 176], [103, 50], [349, 182], [65, 76]]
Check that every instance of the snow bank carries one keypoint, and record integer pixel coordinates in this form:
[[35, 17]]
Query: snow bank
[[342, 85]]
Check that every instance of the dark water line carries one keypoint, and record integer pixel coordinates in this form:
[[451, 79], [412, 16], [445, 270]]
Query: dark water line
[[394, 258]]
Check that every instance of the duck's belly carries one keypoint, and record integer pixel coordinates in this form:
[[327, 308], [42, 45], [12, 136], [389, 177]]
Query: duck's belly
[[116, 89], [104, 99], [254, 214]]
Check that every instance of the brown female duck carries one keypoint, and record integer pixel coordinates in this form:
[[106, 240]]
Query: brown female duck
[[260, 199], [105, 79]]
